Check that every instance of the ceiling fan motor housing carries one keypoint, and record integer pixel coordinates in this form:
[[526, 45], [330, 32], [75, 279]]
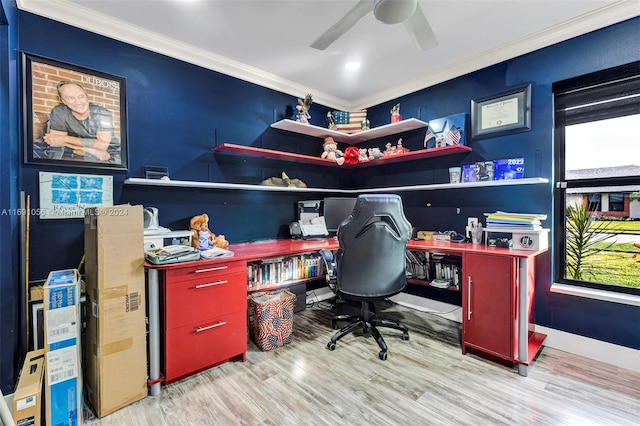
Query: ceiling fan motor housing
[[394, 11]]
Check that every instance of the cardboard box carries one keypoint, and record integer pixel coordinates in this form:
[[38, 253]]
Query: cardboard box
[[116, 345], [530, 240], [63, 381], [27, 399]]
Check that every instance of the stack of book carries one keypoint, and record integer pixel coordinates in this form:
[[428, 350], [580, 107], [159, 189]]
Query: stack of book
[[513, 222]]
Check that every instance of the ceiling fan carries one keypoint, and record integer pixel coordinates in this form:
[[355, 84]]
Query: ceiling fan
[[389, 12]]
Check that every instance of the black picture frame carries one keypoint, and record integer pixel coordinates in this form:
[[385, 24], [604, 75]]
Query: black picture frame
[[501, 114], [101, 139]]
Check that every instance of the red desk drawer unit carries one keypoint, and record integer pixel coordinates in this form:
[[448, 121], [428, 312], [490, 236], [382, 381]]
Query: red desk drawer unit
[[205, 311], [204, 344], [197, 300]]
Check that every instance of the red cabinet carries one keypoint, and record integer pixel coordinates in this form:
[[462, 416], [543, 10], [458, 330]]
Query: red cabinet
[[490, 305], [204, 317]]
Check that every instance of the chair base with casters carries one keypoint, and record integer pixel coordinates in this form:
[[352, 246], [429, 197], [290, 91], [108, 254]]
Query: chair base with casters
[[367, 320], [370, 263]]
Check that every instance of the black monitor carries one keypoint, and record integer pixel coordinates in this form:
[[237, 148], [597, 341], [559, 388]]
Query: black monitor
[[335, 210]]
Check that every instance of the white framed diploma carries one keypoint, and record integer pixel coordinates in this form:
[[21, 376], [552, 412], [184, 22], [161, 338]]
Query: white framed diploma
[[501, 114]]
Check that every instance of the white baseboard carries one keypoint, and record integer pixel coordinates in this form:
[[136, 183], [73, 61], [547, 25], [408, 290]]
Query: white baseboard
[[619, 356], [444, 310], [6, 416]]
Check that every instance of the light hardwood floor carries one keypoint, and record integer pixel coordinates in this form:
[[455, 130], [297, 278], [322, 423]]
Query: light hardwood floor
[[425, 381]]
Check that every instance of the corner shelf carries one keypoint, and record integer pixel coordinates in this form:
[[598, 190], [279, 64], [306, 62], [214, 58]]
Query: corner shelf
[[236, 186], [228, 148], [353, 138]]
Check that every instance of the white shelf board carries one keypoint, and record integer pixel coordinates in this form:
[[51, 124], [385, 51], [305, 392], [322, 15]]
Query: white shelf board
[[353, 138], [437, 186], [429, 187], [218, 185]]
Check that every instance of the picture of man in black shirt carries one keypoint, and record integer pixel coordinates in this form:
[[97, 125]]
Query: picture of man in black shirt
[[83, 130]]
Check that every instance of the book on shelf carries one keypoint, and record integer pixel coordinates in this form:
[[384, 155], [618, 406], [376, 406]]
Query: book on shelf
[[440, 270], [517, 216], [280, 270], [515, 221]]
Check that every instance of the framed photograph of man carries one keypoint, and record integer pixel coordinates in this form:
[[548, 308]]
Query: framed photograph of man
[[73, 116]]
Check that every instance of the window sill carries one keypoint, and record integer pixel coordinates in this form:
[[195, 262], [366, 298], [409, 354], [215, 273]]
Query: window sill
[[591, 293]]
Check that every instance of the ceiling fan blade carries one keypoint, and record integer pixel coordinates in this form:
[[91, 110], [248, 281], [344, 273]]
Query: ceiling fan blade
[[420, 31], [343, 25]]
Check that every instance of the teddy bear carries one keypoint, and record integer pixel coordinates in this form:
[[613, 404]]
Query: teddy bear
[[331, 151], [351, 155], [362, 155], [203, 238], [375, 153]]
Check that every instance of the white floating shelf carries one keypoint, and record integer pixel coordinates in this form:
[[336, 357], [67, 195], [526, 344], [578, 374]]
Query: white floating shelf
[[236, 186], [218, 185], [353, 138]]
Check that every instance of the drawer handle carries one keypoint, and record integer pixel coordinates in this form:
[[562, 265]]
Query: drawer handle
[[209, 327], [469, 299], [217, 268], [212, 284]]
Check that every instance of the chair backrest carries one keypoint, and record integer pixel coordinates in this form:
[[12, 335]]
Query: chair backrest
[[370, 262]]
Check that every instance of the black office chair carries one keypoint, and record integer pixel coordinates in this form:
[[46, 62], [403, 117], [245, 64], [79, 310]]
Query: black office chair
[[370, 263]]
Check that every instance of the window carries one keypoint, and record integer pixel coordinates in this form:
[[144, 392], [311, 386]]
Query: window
[[597, 171], [594, 202], [616, 202]]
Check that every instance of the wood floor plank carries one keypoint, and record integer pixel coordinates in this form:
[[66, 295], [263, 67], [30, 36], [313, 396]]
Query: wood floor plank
[[425, 380]]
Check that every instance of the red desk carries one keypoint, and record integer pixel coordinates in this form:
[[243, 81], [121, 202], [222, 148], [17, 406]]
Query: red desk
[[510, 286]]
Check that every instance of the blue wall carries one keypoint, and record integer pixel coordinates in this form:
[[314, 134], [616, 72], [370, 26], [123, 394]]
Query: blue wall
[[177, 112], [10, 304]]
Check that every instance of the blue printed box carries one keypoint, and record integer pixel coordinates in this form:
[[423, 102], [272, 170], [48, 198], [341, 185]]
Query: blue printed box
[[508, 169], [63, 381]]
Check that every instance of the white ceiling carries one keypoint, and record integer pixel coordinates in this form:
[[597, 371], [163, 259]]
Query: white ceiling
[[267, 42]]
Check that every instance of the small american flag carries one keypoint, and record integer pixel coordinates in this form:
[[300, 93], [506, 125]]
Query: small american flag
[[430, 135], [453, 136]]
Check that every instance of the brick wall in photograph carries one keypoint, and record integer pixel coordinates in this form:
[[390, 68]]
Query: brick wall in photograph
[[101, 91]]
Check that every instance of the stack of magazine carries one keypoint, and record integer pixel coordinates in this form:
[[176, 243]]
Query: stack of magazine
[[510, 222], [172, 254]]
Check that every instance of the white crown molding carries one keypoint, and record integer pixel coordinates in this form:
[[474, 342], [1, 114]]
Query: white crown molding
[[600, 18], [81, 17], [78, 16]]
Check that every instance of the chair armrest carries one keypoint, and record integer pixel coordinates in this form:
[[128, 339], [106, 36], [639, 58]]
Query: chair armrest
[[330, 265]]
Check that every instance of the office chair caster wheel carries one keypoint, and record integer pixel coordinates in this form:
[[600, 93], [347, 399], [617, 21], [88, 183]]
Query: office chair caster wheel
[[405, 336], [383, 355], [331, 346], [334, 324]]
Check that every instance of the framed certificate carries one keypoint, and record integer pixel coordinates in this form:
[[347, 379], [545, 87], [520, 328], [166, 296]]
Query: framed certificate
[[501, 114]]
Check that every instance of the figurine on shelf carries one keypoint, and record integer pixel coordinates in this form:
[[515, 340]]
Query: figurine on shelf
[[331, 151], [303, 106], [375, 153], [362, 155], [331, 122], [395, 114], [365, 124], [395, 150], [351, 155]]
